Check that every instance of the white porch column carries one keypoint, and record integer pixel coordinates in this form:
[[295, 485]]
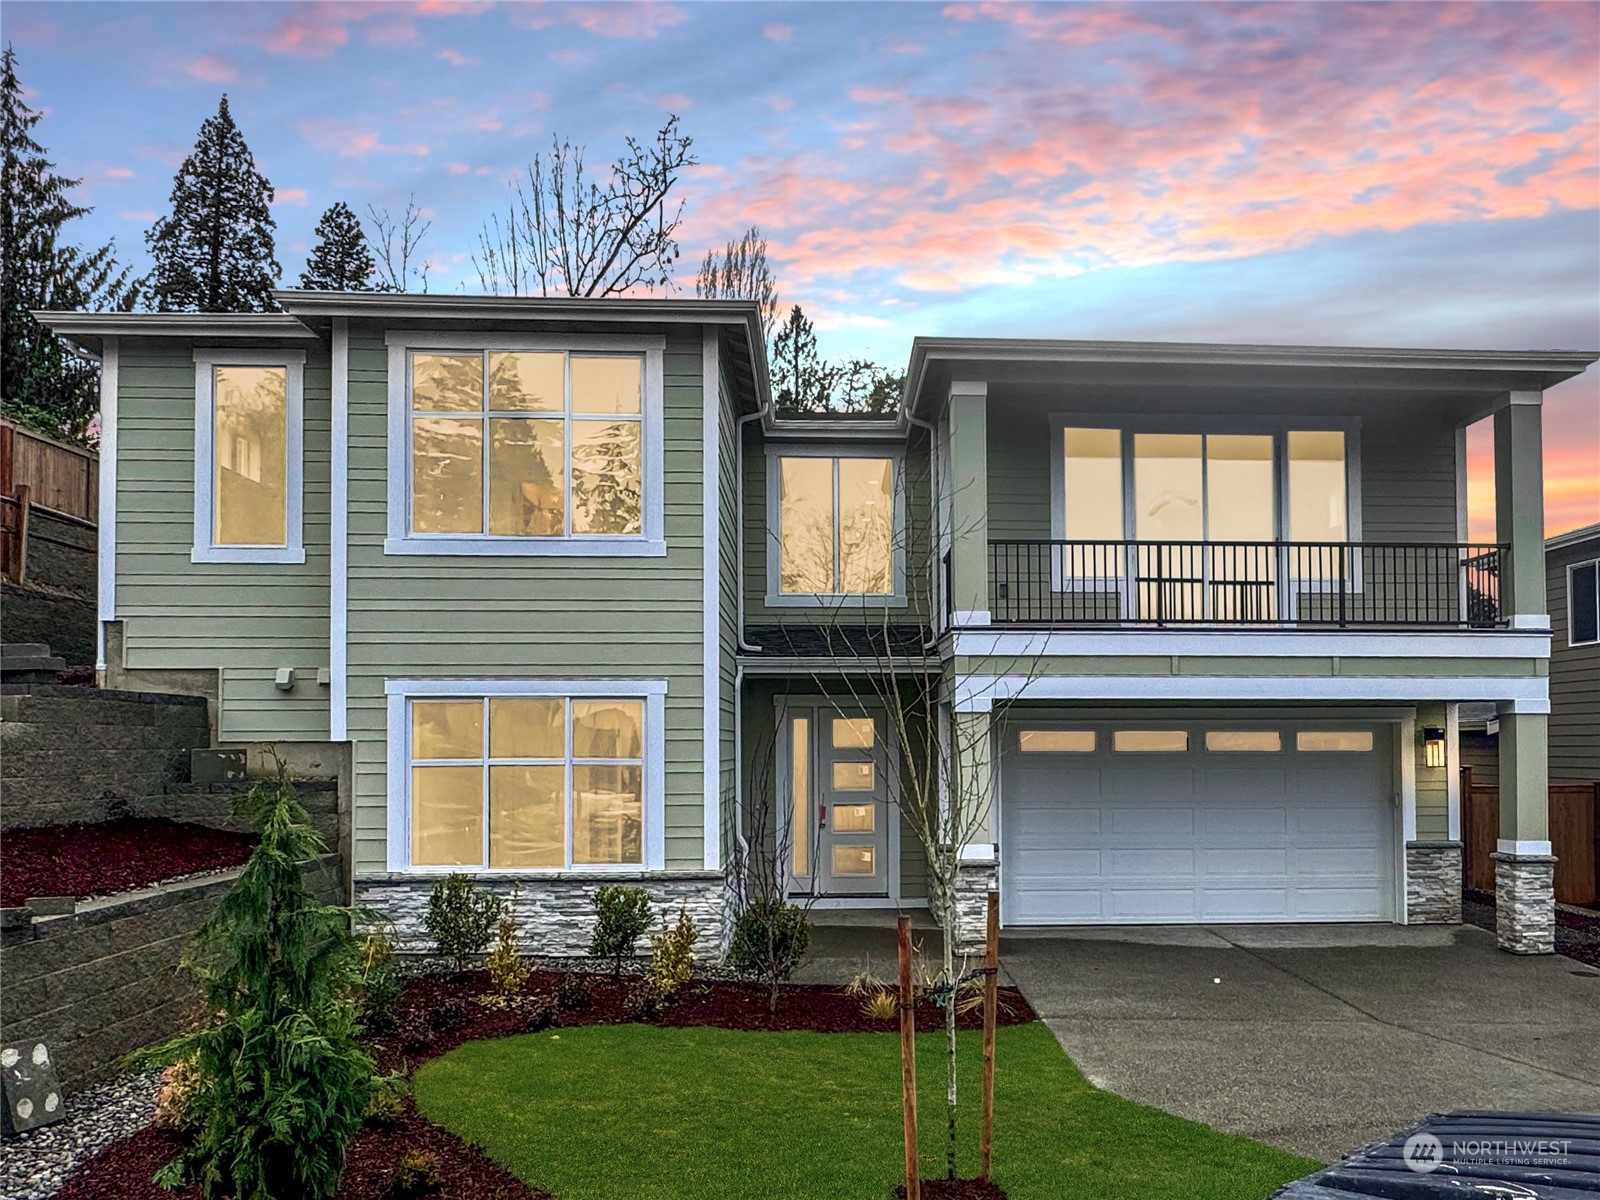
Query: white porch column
[[1524, 868], [968, 487], [1519, 508]]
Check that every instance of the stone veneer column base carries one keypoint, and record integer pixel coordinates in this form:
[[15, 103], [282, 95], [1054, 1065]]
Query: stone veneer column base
[[974, 882], [1433, 883], [556, 911], [1525, 903]]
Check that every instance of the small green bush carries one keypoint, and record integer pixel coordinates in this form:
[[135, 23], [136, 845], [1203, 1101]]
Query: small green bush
[[573, 993], [770, 939], [622, 916], [415, 1174], [508, 970], [461, 918], [381, 987], [672, 955], [387, 1103]]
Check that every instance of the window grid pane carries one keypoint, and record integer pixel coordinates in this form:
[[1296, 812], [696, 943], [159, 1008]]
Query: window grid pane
[[561, 455], [551, 782]]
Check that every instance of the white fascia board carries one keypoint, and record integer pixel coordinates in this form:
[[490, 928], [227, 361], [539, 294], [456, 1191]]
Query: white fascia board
[[978, 693], [339, 536], [1266, 643]]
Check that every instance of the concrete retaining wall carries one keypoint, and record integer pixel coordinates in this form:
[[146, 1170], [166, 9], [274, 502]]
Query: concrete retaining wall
[[102, 982]]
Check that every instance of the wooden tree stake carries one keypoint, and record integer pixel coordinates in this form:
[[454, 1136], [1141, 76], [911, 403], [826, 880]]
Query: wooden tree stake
[[908, 1062], [991, 983]]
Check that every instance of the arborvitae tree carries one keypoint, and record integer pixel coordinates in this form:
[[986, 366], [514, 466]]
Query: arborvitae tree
[[214, 252], [43, 383], [341, 260]]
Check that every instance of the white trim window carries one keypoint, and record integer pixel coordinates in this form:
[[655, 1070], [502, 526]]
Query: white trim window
[[1583, 604], [521, 777], [249, 456], [835, 525], [525, 446]]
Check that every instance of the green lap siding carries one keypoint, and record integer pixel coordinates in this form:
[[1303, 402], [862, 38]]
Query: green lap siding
[[244, 620], [518, 618]]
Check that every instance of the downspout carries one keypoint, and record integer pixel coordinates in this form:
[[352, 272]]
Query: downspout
[[744, 647]]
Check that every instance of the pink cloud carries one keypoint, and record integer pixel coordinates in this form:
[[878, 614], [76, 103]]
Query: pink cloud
[[211, 68], [631, 19], [294, 196], [347, 139], [144, 216], [674, 102], [568, 57], [457, 59], [317, 30], [119, 172], [777, 33]]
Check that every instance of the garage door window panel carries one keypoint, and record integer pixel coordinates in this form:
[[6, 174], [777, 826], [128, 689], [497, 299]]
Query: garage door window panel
[[1150, 741]]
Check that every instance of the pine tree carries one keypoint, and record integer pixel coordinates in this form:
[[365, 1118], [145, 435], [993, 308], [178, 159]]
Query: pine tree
[[341, 261], [43, 383], [214, 251]]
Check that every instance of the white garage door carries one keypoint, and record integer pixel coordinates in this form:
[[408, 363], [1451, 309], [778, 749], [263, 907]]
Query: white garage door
[[1153, 823]]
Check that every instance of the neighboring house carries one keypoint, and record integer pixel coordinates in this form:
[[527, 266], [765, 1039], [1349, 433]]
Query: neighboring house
[[578, 601], [1572, 563]]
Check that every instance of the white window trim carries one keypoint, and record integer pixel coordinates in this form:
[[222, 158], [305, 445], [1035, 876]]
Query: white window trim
[[205, 550], [776, 596], [1571, 611], [399, 693], [651, 543]]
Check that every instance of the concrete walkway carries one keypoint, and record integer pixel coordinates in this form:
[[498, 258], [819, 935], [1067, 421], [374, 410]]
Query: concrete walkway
[[1315, 1038]]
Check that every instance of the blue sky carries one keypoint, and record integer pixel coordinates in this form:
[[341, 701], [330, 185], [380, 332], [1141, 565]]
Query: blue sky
[[1423, 174]]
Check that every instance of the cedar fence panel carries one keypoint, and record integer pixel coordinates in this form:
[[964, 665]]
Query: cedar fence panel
[[1574, 837], [59, 477]]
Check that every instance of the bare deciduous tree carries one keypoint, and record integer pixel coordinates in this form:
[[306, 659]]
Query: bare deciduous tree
[[567, 234], [398, 241], [742, 273]]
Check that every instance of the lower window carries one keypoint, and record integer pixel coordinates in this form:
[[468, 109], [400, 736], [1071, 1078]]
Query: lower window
[[528, 781]]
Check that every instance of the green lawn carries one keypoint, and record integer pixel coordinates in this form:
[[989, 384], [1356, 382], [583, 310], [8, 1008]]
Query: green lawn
[[634, 1112]]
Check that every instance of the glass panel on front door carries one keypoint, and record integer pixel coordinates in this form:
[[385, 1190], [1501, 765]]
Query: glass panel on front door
[[836, 796]]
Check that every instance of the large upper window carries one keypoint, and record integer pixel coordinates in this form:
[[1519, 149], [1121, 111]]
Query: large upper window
[[248, 457], [530, 447], [527, 444], [833, 521], [527, 781]]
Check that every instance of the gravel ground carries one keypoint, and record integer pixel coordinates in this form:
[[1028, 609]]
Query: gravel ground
[[34, 1165]]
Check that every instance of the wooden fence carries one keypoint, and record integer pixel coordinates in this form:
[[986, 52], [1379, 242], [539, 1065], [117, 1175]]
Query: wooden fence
[[58, 476], [1574, 837]]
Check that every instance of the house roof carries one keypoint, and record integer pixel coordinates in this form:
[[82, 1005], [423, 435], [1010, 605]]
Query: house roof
[[936, 362], [1574, 537]]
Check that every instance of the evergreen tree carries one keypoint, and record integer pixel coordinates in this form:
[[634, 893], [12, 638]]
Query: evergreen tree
[[214, 251], [43, 383], [341, 261], [803, 381], [741, 273]]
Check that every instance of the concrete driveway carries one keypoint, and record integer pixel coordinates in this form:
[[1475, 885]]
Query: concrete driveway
[[1315, 1038]]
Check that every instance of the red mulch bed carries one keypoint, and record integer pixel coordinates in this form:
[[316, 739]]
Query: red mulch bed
[[440, 1012], [954, 1189], [116, 856], [122, 1170], [817, 1008]]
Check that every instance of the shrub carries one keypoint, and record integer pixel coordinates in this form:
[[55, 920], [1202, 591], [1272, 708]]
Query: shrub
[[415, 1174], [381, 988], [461, 918], [770, 939], [415, 1031], [643, 1002], [175, 1100], [672, 955], [450, 1013], [881, 1005], [573, 993], [538, 1012], [388, 1101], [622, 915], [508, 971], [283, 1081]]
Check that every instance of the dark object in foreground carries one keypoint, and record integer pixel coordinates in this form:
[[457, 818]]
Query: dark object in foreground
[[122, 1170], [1454, 1156], [954, 1189], [116, 856]]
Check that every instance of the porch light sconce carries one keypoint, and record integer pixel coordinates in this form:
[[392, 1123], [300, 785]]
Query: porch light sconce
[[1433, 746]]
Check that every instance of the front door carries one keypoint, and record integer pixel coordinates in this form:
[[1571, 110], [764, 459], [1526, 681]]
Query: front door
[[838, 802]]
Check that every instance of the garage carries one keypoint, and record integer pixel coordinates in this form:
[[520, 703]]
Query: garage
[[1163, 822]]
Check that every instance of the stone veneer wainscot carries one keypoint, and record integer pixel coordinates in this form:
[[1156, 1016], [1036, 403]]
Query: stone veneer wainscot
[[1433, 883]]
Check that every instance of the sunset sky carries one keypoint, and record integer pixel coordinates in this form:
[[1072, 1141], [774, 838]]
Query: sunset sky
[[1401, 174]]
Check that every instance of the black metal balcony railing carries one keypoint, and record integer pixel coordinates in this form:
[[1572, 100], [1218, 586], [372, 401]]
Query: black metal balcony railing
[[1245, 583]]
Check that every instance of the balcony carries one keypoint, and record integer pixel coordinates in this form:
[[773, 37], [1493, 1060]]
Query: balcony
[[1344, 585]]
